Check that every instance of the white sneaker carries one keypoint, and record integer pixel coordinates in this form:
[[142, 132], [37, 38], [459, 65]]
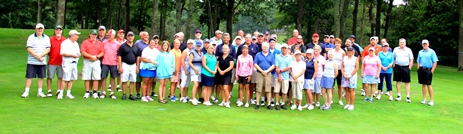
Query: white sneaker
[[227, 105], [149, 98], [378, 97], [340, 103], [143, 99], [194, 102], [317, 104], [293, 107], [253, 102], [387, 93], [86, 95], [40, 94], [49, 94], [409, 100], [331, 102], [431, 103], [69, 96], [95, 96], [185, 100], [351, 107], [25, 94], [299, 108], [398, 98], [423, 102], [363, 92], [246, 105], [239, 104], [390, 98], [59, 95], [102, 96], [347, 106], [305, 106], [112, 96], [311, 107], [222, 104]]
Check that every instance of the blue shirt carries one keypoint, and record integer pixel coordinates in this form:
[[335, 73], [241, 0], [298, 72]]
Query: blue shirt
[[359, 47], [141, 45], [264, 62], [426, 58], [218, 41], [386, 59], [329, 45], [253, 49], [283, 62], [219, 52]]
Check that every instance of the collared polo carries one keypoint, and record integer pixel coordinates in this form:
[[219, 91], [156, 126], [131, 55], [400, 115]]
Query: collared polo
[[402, 56], [128, 54], [38, 45], [426, 58]]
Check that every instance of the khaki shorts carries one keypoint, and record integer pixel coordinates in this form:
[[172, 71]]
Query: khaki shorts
[[281, 86], [264, 82]]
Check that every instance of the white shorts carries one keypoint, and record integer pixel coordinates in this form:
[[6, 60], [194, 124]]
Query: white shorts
[[297, 89], [196, 78], [130, 72], [282, 87], [254, 76], [69, 71], [91, 70], [185, 79]]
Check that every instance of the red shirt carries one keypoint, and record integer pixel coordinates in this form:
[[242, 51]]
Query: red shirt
[[366, 50], [55, 56], [91, 47], [292, 41]]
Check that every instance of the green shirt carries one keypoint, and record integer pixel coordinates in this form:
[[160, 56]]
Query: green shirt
[[211, 62]]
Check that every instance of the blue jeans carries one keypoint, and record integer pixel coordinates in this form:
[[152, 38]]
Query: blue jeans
[[386, 76]]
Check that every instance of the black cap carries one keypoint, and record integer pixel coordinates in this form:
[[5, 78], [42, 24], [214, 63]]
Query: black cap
[[350, 48], [352, 36], [269, 40], [155, 37]]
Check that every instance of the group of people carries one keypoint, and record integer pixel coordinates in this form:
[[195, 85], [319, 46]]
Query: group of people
[[278, 74]]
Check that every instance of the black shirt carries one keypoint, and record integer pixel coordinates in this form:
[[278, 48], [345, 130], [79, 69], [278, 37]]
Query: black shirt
[[356, 49], [311, 45], [301, 48], [224, 64], [128, 54], [182, 46]]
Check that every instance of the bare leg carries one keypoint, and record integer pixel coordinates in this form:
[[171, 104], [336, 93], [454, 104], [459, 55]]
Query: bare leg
[[39, 82], [124, 87], [431, 92], [112, 81], [194, 90], [352, 96], [172, 88], [132, 84], [137, 86], [240, 92], [248, 92], [102, 87], [49, 82], [87, 85], [407, 88], [397, 85], [330, 97], [226, 93], [95, 83]]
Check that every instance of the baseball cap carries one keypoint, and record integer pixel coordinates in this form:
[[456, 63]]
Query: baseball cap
[[267, 33], [350, 48], [130, 33], [214, 43], [73, 32], [238, 37], [371, 49], [93, 32], [326, 36], [425, 41], [101, 28], [206, 40], [352, 36], [309, 51], [271, 39], [374, 37], [190, 41], [198, 31], [180, 34], [39, 25], [59, 27], [253, 37], [121, 31], [260, 34], [385, 45], [331, 52], [297, 52], [284, 45], [315, 35], [111, 32], [218, 32], [331, 36], [155, 37]]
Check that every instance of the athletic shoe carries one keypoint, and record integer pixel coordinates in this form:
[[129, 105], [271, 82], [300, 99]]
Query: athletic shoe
[[283, 106], [423, 102], [317, 104], [262, 103], [216, 100], [269, 107], [95, 96], [40, 94], [366, 99], [252, 101], [257, 107], [239, 104], [49, 94], [390, 98], [59, 95], [363, 92], [143, 99], [149, 98], [212, 98], [370, 100], [102, 96], [323, 107], [398, 98], [299, 108], [227, 105], [378, 97], [187, 98], [382, 92], [131, 97], [311, 107], [222, 104], [86, 95], [112, 96], [124, 97], [118, 88], [173, 98], [272, 103], [340, 103], [431, 103], [327, 108], [109, 88], [194, 102], [331, 102], [25, 94], [305, 106], [387, 93], [138, 96], [293, 107], [347, 106], [200, 100], [207, 103], [246, 105], [277, 107], [69, 96], [409, 100], [351, 107]]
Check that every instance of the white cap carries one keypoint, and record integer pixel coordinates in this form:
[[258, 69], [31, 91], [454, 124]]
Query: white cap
[[297, 52], [371, 49], [190, 41], [102, 27], [331, 52], [218, 32], [309, 51], [425, 41], [238, 37], [73, 32], [284, 45], [180, 34], [214, 42], [111, 32], [39, 25]]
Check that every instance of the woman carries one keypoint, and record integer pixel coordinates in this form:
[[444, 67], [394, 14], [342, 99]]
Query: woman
[[387, 58], [349, 69], [370, 74], [148, 69], [224, 67], [297, 79], [243, 74], [321, 61], [165, 69], [311, 67], [208, 72], [330, 72], [176, 75], [338, 55], [194, 60], [185, 72]]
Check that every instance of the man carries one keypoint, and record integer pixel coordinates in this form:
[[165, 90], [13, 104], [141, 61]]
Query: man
[[273, 49], [327, 44], [332, 39], [365, 52], [54, 64], [384, 41], [205, 45], [277, 45], [403, 63], [260, 40], [315, 39], [237, 43], [241, 35], [293, 40], [299, 45], [352, 38], [218, 37], [71, 53], [266, 36], [38, 46], [92, 51], [141, 44], [120, 38], [282, 76], [219, 52], [254, 37], [264, 62], [181, 38], [128, 54], [101, 34], [427, 63], [349, 44], [109, 65], [198, 40]]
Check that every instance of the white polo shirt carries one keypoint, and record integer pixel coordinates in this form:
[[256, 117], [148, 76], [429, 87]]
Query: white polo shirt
[[70, 48], [402, 56], [38, 45]]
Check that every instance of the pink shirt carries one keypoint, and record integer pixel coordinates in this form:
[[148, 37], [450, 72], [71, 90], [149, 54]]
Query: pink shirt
[[110, 52], [371, 65], [244, 66], [321, 62]]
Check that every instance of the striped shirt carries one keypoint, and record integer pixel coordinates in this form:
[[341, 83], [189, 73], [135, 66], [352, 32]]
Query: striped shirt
[[38, 45]]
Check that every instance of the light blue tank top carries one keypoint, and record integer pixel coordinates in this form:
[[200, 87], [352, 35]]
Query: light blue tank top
[[329, 69]]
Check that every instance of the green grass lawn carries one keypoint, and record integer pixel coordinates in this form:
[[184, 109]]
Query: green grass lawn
[[49, 115]]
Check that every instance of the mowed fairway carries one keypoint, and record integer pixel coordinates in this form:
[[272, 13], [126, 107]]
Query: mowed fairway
[[49, 115]]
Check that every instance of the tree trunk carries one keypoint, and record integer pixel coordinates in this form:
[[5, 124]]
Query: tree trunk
[[372, 22], [188, 21], [154, 19], [362, 27], [110, 15], [210, 21], [119, 16], [388, 18], [141, 14], [60, 14], [343, 18], [231, 13], [127, 15], [378, 17], [337, 23], [354, 19], [300, 12], [460, 47], [178, 15], [39, 11]]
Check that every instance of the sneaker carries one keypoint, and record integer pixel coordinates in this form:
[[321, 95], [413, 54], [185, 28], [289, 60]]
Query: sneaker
[[173, 98], [326, 108], [340, 103], [305, 106], [246, 105], [252, 101], [347, 106], [208, 103], [257, 107], [366, 99], [398, 98], [59, 95], [86, 95], [102, 96], [331, 102], [323, 107], [212, 98], [277, 107], [187, 98], [194, 102], [227, 105], [311, 107], [363, 92], [124, 97], [25, 94], [41, 95], [299, 108], [149, 98], [118, 88], [370, 100], [283, 106], [109, 88], [409, 100], [269, 107], [112, 96], [49, 94], [317, 104], [423, 102], [378, 97], [387, 93], [222, 104], [293, 107], [390, 98], [138, 96], [143, 99], [200, 100], [216, 100], [239, 104], [95, 96], [69, 96], [262, 103], [431, 103], [131, 97], [350, 108]]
